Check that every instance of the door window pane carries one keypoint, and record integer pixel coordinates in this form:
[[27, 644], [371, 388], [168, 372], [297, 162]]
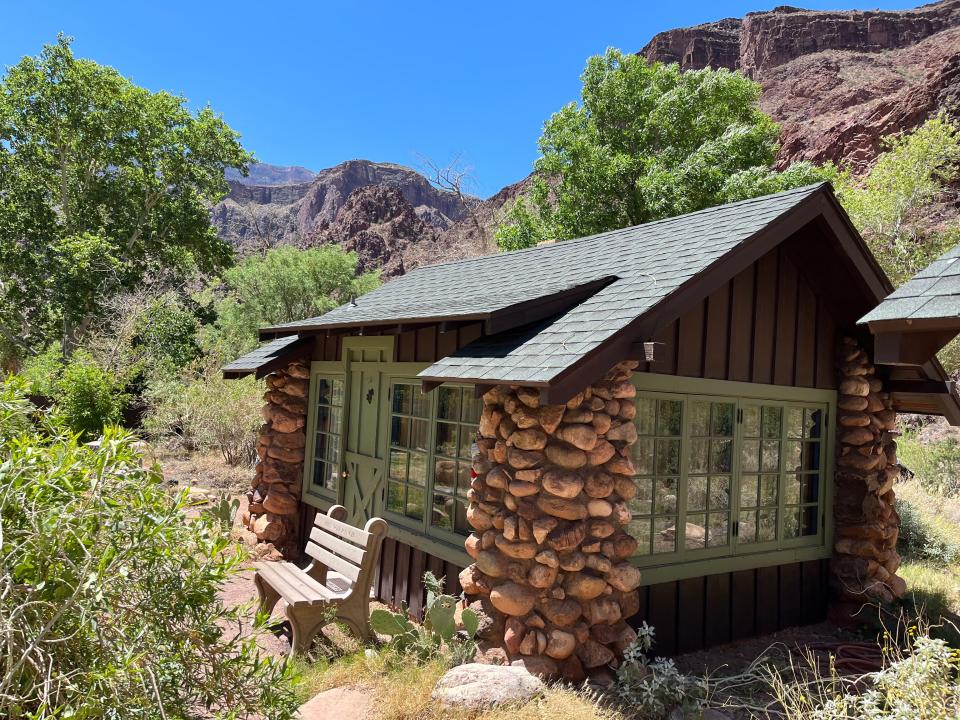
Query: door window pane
[[328, 420]]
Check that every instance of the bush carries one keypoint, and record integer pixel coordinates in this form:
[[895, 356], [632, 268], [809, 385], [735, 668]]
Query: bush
[[42, 371], [108, 592], [935, 465], [925, 536], [207, 413], [88, 397], [918, 682]]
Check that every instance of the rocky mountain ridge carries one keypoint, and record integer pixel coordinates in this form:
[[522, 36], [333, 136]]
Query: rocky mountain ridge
[[837, 82]]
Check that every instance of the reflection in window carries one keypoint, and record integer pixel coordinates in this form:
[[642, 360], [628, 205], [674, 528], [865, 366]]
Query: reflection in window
[[409, 436], [725, 473], [431, 452], [656, 456], [326, 449], [709, 468]]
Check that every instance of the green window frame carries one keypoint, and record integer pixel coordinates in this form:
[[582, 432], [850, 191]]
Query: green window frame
[[324, 432], [431, 438], [729, 475]]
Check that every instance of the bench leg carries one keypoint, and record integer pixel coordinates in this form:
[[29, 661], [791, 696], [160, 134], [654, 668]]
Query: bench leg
[[268, 596], [305, 624], [357, 618]]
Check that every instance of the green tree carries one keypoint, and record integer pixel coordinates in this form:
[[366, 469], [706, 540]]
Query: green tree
[[890, 204], [283, 285], [648, 141], [102, 184]]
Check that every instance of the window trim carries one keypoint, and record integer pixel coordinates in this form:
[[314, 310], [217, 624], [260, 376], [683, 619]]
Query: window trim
[[308, 494], [695, 563]]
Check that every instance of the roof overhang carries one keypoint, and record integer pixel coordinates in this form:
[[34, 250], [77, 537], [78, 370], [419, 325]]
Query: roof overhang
[[265, 359]]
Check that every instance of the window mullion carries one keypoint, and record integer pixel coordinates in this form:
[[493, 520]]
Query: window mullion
[[782, 479], [431, 462], [681, 533], [734, 499]]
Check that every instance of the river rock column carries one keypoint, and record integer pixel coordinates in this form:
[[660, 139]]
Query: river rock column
[[552, 573], [865, 560], [274, 496]]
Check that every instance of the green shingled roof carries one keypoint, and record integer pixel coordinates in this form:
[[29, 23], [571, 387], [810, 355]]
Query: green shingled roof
[[262, 356], [635, 268], [933, 293]]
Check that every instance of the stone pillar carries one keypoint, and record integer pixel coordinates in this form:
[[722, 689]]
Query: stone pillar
[[552, 573], [275, 490], [865, 560]]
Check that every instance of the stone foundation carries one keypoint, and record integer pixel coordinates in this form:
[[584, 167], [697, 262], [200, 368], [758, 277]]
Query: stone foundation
[[275, 490], [552, 574], [865, 560]]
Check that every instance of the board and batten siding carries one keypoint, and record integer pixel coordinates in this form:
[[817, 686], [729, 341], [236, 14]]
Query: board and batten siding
[[767, 326]]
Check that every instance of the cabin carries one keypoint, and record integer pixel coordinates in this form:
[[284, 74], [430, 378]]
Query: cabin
[[689, 422]]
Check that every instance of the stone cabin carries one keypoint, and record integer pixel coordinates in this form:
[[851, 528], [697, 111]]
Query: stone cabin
[[687, 422]]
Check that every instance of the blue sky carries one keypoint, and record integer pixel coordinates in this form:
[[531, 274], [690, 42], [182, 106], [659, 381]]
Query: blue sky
[[317, 83]]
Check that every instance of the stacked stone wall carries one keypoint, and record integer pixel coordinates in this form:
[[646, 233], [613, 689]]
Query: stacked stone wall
[[552, 576], [274, 497], [865, 560]]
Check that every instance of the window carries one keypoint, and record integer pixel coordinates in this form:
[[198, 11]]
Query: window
[[326, 435], [723, 476], [431, 451]]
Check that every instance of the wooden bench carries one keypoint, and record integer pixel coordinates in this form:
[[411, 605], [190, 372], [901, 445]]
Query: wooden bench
[[351, 556]]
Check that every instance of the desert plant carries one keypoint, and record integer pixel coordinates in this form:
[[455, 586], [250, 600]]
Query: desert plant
[[935, 465], [109, 601], [437, 635], [652, 688], [208, 413], [918, 681], [924, 536]]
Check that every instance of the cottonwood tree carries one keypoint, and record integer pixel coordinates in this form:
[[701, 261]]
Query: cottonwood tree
[[101, 184], [891, 203], [455, 178], [647, 141]]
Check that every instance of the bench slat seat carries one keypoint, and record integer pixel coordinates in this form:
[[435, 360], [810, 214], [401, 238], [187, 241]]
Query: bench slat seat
[[349, 554]]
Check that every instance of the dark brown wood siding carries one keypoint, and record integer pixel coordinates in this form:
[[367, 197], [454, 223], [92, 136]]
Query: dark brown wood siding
[[701, 612], [426, 343], [767, 325], [688, 615]]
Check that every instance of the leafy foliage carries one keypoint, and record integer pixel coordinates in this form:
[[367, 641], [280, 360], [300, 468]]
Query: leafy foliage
[[438, 632], [925, 537], [652, 688], [108, 591], [935, 465], [919, 681], [888, 204], [102, 183], [648, 141], [88, 397], [283, 285], [208, 412]]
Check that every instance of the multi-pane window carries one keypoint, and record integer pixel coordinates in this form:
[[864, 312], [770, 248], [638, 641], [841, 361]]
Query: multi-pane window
[[327, 428], [458, 411], [431, 450], [719, 476], [409, 446]]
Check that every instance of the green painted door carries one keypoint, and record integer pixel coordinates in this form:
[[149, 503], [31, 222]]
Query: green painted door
[[364, 457]]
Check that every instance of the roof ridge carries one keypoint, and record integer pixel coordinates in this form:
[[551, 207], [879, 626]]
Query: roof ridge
[[611, 233]]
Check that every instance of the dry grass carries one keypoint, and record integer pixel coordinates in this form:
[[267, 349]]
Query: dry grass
[[402, 692]]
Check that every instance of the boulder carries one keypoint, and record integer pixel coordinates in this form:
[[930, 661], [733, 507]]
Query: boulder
[[565, 456], [476, 686], [564, 484]]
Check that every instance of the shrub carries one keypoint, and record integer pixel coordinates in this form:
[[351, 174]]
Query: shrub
[[207, 413], [108, 592], [925, 536], [918, 682], [935, 465], [42, 371], [88, 397]]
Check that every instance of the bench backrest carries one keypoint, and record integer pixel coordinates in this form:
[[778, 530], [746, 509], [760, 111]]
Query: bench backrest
[[345, 549]]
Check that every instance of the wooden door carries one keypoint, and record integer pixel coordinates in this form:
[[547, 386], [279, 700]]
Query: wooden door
[[364, 457]]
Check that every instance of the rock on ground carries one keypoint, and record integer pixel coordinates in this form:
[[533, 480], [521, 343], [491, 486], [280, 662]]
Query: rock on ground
[[336, 704], [482, 686]]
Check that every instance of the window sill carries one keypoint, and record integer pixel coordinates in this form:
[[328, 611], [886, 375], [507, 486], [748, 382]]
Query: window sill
[[652, 575]]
